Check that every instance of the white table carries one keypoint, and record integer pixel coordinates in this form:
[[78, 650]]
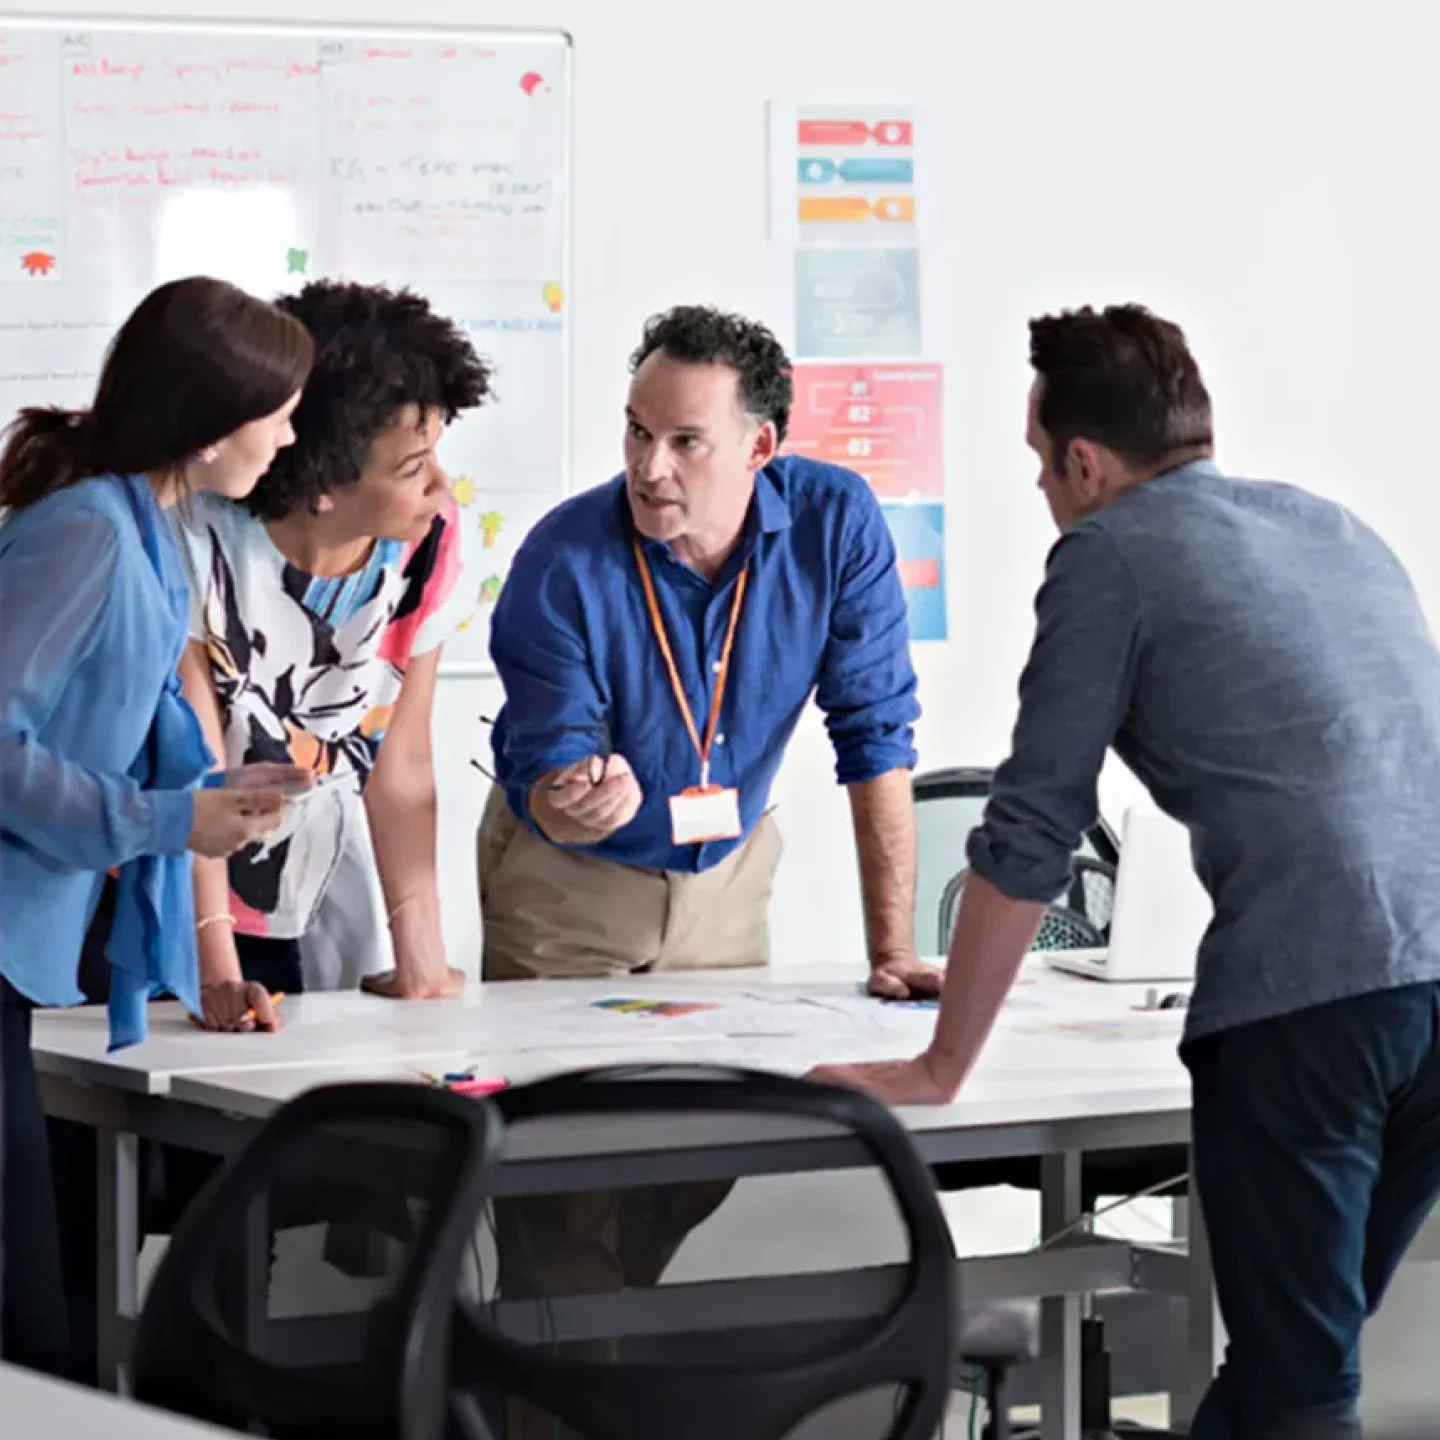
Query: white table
[[1049, 1085], [35, 1405]]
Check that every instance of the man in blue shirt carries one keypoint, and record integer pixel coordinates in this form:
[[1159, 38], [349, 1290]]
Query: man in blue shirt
[[658, 638], [1259, 658]]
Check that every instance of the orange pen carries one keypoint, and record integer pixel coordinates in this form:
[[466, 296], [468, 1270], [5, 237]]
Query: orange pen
[[275, 1000], [249, 1015]]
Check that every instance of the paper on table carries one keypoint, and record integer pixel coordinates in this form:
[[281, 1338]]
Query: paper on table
[[720, 1050], [1145, 1025], [749, 1014], [867, 1015], [620, 1019]]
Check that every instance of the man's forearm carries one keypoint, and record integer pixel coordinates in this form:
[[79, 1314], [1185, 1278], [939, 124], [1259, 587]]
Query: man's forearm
[[992, 935], [883, 812]]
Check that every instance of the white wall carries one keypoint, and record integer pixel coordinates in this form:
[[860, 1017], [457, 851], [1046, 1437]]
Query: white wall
[[1259, 173]]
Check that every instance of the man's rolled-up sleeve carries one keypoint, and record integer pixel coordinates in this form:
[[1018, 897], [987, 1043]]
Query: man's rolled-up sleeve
[[1074, 695], [867, 686]]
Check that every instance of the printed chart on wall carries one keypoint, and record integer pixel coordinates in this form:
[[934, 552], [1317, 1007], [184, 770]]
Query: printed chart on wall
[[850, 212], [131, 154]]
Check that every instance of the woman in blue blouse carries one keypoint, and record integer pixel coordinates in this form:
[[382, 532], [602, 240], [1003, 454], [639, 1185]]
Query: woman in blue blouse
[[100, 757]]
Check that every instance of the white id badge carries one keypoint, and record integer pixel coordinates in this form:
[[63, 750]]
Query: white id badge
[[703, 814]]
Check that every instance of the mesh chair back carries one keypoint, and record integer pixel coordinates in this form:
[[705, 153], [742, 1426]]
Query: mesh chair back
[[949, 804], [715, 1294], [307, 1292], [1079, 920]]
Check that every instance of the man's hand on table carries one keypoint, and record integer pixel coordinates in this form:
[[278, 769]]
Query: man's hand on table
[[904, 976], [921, 1081]]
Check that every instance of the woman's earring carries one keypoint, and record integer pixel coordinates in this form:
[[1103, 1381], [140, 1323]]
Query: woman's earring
[[210, 454]]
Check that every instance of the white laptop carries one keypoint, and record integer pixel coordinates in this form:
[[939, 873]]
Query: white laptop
[[1161, 910]]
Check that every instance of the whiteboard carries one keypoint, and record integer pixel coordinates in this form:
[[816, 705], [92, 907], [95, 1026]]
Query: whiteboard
[[135, 152]]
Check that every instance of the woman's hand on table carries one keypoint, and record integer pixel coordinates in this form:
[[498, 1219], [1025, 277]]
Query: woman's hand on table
[[237, 1007], [919, 1081], [415, 982]]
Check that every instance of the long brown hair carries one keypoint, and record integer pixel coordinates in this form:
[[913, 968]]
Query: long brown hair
[[196, 360]]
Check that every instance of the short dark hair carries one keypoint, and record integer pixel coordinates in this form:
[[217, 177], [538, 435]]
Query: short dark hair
[[1123, 378], [703, 335], [376, 352], [197, 359]]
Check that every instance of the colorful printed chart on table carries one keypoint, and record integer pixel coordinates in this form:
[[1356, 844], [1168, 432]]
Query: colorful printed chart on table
[[751, 1015], [133, 154], [883, 421]]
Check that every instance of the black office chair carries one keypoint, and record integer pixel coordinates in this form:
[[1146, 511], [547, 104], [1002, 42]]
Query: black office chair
[[309, 1289], [749, 1341], [1078, 920], [994, 1339], [966, 788], [949, 804]]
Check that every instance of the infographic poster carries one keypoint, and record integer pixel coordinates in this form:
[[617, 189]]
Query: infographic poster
[[919, 533], [857, 303], [854, 231], [846, 175], [882, 421]]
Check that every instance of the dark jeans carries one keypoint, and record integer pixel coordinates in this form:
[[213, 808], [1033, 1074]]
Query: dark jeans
[[170, 1177], [1316, 1153], [33, 1327]]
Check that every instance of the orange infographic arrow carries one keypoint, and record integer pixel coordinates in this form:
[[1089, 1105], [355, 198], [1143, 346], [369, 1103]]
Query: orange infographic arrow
[[826, 209]]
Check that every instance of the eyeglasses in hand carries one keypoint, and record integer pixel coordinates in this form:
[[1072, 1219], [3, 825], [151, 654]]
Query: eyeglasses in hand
[[597, 761]]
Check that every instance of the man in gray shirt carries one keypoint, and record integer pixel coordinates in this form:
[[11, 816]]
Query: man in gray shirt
[[1259, 658]]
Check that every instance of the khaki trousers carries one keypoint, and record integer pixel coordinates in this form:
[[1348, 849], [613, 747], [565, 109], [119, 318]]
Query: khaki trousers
[[551, 912]]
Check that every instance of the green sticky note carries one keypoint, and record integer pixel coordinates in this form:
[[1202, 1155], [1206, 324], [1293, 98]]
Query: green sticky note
[[296, 261]]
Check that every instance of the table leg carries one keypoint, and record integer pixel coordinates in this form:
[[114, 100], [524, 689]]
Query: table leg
[[1060, 1315], [1203, 1344], [118, 1249]]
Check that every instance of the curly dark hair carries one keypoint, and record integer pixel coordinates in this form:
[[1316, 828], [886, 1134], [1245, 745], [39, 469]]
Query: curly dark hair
[[376, 351], [1122, 377], [703, 335]]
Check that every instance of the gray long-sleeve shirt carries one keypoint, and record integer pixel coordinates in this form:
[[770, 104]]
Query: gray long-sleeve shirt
[[1259, 659]]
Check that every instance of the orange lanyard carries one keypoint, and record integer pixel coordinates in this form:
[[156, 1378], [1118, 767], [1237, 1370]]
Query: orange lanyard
[[722, 670]]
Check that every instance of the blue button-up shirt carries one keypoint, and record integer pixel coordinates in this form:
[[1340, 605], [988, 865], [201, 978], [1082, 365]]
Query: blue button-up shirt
[[823, 612]]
